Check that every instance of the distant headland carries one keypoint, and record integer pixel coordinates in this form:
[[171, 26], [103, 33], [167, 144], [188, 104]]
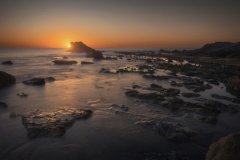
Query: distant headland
[[217, 49]]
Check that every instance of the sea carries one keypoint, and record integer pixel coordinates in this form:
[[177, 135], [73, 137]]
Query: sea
[[105, 135]]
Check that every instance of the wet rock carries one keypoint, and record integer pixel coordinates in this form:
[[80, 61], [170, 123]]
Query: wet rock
[[155, 77], [155, 97], [22, 94], [173, 103], [215, 105], [85, 62], [213, 81], [226, 148], [221, 97], [173, 131], [64, 62], [175, 84], [118, 108], [6, 79], [134, 86], [155, 86], [65, 57], [35, 81], [49, 79], [190, 95], [105, 70], [236, 100], [52, 124], [3, 105], [14, 115], [197, 88], [7, 62]]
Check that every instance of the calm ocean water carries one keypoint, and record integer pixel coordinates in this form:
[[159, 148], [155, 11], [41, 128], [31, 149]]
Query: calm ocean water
[[105, 135]]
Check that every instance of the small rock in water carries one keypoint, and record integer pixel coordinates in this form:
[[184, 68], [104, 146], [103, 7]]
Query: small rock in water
[[118, 108], [7, 62], [85, 62], [50, 79], [35, 81], [14, 115], [22, 94]]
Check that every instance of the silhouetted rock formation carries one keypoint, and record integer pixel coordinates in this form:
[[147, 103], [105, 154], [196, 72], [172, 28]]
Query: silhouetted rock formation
[[81, 47], [217, 49], [35, 81], [226, 148], [6, 79], [7, 62], [65, 62]]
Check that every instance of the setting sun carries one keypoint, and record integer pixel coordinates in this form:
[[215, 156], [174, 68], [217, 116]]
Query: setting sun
[[69, 45]]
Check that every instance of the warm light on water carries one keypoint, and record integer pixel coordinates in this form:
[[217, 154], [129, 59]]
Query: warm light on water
[[104, 135]]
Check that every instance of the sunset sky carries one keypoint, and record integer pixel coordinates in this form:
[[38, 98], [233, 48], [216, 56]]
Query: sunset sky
[[118, 24]]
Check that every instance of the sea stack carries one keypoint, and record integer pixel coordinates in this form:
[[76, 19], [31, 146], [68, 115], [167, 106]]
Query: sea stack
[[81, 47]]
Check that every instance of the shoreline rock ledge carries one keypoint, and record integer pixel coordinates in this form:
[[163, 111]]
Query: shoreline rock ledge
[[80, 47], [226, 148]]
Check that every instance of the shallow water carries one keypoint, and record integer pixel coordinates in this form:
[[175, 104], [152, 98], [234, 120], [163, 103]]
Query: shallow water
[[104, 135]]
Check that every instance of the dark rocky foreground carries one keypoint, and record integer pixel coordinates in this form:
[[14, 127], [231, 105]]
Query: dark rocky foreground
[[226, 148], [51, 124], [6, 79]]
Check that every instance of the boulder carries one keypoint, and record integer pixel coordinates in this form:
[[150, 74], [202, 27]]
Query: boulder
[[7, 62], [6, 79], [226, 148], [65, 62], [35, 81]]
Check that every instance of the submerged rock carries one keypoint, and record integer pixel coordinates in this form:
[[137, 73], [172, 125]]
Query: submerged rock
[[226, 148], [52, 124], [7, 62], [6, 79], [35, 81], [65, 62], [173, 131]]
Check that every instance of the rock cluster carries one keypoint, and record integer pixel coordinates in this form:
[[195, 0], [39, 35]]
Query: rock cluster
[[35, 81], [52, 124]]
